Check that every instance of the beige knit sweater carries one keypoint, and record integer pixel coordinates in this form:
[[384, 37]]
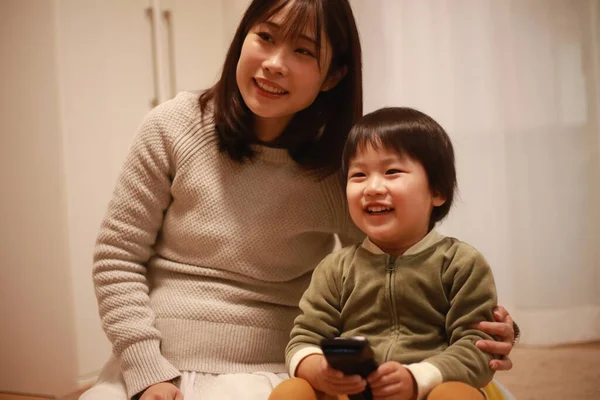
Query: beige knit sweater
[[201, 261]]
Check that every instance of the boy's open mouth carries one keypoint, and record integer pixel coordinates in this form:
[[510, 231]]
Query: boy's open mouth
[[375, 210]]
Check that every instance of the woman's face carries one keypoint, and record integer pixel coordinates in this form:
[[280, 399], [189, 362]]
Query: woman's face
[[278, 76]]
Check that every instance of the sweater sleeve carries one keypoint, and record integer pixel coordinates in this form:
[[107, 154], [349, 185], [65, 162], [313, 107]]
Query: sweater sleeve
[[472, 296], [351, 234], [320, 312], [347, 231], [124, 246]]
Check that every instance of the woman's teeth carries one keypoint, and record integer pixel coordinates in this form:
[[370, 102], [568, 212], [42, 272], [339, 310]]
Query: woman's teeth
[[268, 88]]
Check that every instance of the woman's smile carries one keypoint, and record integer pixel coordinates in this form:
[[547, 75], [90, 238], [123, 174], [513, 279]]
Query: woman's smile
[[268, 88]]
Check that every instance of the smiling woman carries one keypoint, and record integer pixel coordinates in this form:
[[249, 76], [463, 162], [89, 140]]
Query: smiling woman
[[279, 74], [288, 68], [227, 201]]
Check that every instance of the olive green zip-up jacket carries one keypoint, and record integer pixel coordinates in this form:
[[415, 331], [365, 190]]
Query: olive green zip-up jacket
[[414, 309]]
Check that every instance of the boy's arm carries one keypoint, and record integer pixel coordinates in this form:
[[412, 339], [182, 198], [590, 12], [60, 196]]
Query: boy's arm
[[472, 295], [320, 313]]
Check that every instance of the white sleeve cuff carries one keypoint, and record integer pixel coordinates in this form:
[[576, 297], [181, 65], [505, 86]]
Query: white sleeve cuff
[[301, 355], [427, 377]]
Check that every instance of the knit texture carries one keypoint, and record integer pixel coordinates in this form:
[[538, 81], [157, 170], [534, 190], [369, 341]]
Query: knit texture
[[201, 261]]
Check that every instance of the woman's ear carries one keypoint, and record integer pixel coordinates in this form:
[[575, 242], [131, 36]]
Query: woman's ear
[[334, 78]]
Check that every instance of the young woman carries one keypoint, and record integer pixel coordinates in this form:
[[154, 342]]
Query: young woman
[[226, 203]]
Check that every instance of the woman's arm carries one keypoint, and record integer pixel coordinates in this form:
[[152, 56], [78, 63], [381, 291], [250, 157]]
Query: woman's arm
[[124, 246], [507, 331]]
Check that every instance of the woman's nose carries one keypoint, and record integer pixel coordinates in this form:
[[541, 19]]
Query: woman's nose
[[275, 62]]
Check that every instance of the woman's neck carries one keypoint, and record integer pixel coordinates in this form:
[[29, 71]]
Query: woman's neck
[[267, 130]]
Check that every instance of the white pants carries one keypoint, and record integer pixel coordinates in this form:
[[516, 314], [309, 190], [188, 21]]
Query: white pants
[[194, 386]]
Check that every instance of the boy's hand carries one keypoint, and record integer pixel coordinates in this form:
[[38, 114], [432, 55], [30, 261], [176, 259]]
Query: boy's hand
[[162, 391], [322, 377], [392, 381]]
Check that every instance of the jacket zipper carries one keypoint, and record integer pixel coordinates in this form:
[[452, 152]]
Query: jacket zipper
[[390, 275]]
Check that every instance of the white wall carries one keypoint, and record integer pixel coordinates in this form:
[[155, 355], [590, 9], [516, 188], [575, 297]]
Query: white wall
[[198, 51], [105, 61], [36, 307]]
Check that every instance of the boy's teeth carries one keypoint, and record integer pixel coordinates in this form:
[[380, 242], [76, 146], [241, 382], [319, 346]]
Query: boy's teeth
[[269, 89], [378, 209]]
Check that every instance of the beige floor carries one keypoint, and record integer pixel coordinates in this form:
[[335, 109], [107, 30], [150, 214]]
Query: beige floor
[[560, 373], [6, 396]]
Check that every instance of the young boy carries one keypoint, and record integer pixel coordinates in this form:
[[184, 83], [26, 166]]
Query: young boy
[[412, 292]]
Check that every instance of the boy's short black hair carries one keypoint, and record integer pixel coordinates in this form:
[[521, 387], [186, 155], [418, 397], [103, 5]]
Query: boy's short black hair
[[412, 134]]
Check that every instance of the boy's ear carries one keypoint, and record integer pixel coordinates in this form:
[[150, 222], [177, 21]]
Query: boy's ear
[[334, 78], [437, 199]]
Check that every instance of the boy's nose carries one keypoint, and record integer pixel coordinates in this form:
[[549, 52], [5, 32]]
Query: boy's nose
[[375, 186]]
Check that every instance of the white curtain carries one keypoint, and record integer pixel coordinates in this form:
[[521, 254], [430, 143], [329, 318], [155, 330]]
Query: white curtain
[[516, 83]]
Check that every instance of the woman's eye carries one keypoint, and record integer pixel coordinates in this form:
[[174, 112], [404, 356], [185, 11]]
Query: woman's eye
[[305, 52], [265, 36]]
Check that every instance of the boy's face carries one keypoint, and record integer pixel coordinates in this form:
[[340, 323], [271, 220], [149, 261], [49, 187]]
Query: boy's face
[[389, 198]]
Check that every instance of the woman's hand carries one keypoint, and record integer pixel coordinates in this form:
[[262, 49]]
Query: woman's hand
[[162, 391], [503, 329], [392, 381], [322, 377]]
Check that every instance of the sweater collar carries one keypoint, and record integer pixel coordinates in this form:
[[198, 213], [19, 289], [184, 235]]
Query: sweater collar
[[272, 154], [429, 240]]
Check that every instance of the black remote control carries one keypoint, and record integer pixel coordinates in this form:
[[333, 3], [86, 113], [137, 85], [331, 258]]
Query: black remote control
[[352, 356]]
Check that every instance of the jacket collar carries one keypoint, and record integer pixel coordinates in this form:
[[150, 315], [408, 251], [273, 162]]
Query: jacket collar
[[429, 240]]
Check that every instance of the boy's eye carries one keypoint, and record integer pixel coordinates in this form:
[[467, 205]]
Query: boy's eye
[[265, 36], [356, 175], [392, 171]]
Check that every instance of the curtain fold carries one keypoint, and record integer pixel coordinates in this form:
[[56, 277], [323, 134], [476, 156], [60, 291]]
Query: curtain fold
[[516, 85]]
